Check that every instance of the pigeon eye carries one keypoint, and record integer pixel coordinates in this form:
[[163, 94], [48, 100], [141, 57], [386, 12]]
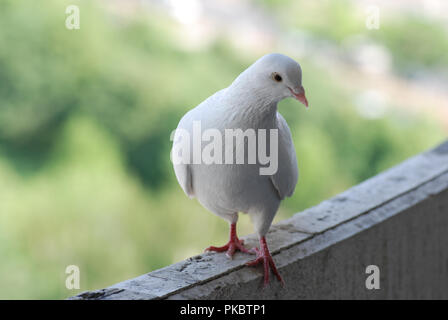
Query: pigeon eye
[[277, 77]]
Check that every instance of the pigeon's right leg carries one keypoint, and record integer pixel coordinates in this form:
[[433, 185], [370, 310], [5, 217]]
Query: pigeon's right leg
[[264, 257], [233, 245]]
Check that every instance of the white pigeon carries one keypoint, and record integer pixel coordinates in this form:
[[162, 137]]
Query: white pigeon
[[250, 102]]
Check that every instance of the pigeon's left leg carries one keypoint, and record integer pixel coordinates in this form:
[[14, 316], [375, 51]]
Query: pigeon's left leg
[[233, 245], [264, 256]]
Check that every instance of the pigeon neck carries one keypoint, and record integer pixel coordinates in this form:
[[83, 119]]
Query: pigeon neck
[[248, 98]]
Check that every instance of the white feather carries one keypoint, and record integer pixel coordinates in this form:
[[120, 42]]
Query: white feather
[[285, 179]]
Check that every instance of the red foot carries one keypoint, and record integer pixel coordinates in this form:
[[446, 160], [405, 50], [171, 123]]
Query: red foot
[[264, 256], [233, 245]]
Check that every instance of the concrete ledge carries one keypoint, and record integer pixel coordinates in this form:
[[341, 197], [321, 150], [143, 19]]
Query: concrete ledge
[[397, 220]]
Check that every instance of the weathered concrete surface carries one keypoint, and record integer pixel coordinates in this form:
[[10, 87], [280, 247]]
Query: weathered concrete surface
[[397, 220]]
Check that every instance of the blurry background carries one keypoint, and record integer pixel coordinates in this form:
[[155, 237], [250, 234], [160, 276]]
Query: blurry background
[[86, 116]]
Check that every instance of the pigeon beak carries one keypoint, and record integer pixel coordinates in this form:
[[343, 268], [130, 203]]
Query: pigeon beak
[[300, 96]]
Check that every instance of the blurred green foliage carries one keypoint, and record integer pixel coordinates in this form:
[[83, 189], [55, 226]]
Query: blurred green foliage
[[414, 41], [85, 121]]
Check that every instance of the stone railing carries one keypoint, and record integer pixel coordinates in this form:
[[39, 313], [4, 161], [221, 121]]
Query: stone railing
[[386, 238]]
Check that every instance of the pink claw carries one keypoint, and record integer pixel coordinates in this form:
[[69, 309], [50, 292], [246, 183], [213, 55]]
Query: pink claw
[[233, 245], [264, 256]]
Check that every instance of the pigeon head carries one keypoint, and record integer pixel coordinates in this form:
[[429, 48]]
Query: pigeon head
[[276, 77]]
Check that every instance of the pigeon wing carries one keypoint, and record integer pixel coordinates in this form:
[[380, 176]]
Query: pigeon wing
[[183, 175], [182, 169], [285, 179]]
